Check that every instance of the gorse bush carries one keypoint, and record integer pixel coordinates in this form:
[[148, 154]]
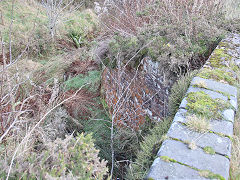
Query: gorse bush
[[71, 157]]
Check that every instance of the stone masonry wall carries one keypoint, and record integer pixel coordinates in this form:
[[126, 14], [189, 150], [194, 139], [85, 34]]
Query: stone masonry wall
[[190, 153]]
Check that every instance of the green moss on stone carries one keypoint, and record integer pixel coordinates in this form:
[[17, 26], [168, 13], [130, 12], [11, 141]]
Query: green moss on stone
[[210, 175], [168, 159], [209, 150], [201, 104], [224, 45], [218, 56], [217, 74]]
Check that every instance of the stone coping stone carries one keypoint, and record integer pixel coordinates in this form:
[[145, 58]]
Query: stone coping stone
[[162, 170], [217, 126], [221, 145], [195, 158], [212, 94], [217, 86]]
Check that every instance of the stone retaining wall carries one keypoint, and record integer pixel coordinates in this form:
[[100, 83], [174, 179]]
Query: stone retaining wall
[[190, 152]]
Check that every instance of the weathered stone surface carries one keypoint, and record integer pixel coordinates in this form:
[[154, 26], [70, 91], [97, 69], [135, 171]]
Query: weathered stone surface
[[196, 158], [229, 115], [162, 170], [217, 86], [224, 127], [180, 116], [212, 94], [236, 39], [220, 144], [183, 104]]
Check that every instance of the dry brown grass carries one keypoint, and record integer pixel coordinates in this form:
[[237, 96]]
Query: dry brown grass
[[198, 124]]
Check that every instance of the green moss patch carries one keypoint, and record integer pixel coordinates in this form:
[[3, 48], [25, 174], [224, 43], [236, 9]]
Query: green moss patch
[[210, 175], [168, 159], [218, 74], [201, 104], [209, 150], [218, 56]]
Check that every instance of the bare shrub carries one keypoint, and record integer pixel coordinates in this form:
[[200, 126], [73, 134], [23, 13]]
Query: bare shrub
[[126, 17], [55, 12], [183, 33]]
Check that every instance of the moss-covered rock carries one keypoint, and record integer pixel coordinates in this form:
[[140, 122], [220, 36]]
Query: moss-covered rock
[[218, 57], [218, 74], [202, 104]]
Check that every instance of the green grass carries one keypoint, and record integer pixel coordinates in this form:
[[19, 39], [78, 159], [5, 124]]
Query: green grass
[[92, 78]]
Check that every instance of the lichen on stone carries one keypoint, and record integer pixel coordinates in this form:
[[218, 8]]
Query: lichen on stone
[[202, 105]]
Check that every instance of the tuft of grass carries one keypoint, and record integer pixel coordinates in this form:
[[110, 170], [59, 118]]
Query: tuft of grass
[[199, 124], [178, 91]]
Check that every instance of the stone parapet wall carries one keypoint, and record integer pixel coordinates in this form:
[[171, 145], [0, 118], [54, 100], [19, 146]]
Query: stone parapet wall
[[192, 149]]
